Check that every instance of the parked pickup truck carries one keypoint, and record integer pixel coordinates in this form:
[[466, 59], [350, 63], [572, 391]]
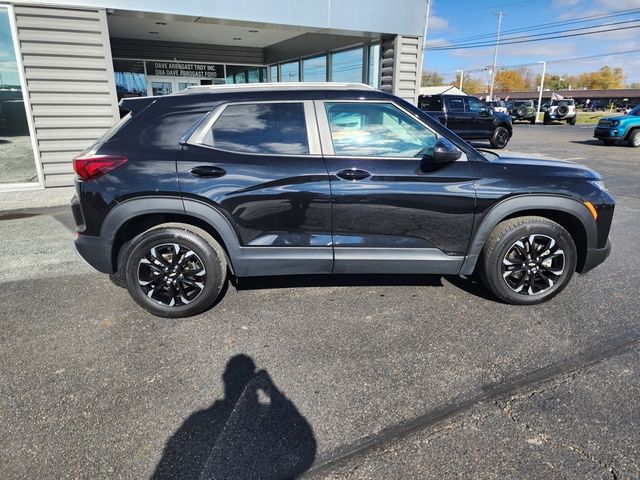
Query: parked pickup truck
[[469, 117], [626, 127]]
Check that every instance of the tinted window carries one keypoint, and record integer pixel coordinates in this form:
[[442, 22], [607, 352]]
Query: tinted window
[[430, 104], [377, 130], [476, 105], [456, 104], [277, 128]]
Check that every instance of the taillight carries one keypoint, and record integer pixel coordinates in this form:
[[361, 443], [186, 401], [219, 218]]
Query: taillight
[[94, 166]]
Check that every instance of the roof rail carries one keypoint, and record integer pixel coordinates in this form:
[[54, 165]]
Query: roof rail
[[276, 86]]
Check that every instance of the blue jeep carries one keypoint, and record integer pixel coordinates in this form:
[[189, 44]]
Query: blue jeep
[[614, 129]]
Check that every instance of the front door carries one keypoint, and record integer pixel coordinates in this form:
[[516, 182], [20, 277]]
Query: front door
[[393, 211], [157, 85], [260, 165], [480, 119]]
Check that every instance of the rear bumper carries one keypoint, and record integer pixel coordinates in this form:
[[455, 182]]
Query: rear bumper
[[94, 251], [595, 256]]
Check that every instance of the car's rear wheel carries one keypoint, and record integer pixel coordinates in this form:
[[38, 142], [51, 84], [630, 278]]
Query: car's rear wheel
[[533, 120], [634, 138], [174, 272], [500, 138], [527, 260], [547, 120], [572, 120]]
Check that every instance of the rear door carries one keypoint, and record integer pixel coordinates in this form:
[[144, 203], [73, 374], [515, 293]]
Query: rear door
[[458, 119], [260, 165]]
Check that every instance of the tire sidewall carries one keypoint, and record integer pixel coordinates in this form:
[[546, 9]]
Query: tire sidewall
[[634, 138], [493, 265], [208, 255]]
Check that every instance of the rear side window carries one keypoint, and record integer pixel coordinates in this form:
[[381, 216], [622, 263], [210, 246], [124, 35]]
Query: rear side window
[[113, 131], [271, 128], [456, 104], [430, 104], [165, 131]]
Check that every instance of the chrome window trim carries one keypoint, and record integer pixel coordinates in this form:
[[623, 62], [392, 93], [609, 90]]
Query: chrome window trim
[[313, 137], [327, 139]]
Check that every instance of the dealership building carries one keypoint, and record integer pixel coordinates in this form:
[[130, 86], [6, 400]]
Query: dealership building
[[64, 65]]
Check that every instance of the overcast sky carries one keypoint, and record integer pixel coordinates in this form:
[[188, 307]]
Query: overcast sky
[[453, 20]]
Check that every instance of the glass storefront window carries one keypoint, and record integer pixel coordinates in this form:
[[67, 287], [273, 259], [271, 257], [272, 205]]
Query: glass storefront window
[[238, 74], [161, 88], [17, 163], [274, 73], [130, 78], [374, 66], [314, 69], [290, 72], [347, 66]]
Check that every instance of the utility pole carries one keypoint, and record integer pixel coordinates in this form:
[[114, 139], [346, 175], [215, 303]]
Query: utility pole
[[426, 26], [495, 54], [544, 72], [461, 77]]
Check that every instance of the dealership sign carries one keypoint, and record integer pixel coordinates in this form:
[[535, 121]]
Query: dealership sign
[[182, 69]]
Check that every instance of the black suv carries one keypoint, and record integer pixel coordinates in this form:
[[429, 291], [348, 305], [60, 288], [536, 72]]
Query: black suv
[[264, 179]]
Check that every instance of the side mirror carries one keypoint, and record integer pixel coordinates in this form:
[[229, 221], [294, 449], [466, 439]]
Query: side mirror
[[485, 111], [445, 152]]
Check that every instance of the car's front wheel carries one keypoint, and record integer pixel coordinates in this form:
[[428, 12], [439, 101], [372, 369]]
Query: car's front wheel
[[500, 138], [175, 271], [527, 260], [634, 138]]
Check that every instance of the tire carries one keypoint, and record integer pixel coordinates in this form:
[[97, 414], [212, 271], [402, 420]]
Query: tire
[[533, 120], [572, 120], [500, 138], [506, 247], [521, 112], [547, 120], [634, 138], [157, 278], [562, 111]]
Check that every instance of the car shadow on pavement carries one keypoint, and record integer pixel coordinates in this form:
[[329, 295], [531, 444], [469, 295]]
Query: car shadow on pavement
[[255, 431], [598, 143], [467, 284]]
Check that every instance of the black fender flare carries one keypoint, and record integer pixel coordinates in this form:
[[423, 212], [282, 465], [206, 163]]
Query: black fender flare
[[523, 203], [136, 207]]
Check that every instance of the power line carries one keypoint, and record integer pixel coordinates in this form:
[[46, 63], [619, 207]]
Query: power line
[[537, 39], [543, 26]]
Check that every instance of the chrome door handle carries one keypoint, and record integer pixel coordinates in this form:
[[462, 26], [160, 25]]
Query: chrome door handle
[[353, 174]]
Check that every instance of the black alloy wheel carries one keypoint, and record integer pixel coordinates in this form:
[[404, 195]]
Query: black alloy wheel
[[533, 264], [172, 274], [500, 138]]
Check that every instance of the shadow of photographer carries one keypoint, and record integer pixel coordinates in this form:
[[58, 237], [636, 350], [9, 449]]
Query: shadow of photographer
[[255, 431]]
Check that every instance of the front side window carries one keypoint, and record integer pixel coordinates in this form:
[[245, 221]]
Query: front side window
[[377, 130], [271, 128], [475, 105]]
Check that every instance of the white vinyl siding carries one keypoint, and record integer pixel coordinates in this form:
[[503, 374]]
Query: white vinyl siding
[[70, 82], [401, 66]]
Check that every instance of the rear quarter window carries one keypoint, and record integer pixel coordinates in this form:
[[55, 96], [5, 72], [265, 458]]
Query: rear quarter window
[[166, 130]]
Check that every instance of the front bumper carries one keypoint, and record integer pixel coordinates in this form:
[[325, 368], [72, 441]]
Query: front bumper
[[607, 133], [595, 256], [95, 252]]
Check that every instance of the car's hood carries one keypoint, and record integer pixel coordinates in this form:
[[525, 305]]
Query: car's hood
[[548, 166], [619, 117]]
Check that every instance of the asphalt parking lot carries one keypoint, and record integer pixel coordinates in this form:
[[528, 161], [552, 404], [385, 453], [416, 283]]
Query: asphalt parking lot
[[348, 377]]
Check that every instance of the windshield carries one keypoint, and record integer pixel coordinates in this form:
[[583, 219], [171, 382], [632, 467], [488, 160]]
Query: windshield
[[635, 112]]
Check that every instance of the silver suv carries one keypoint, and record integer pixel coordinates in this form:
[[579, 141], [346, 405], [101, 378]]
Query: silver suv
[[561, 110]]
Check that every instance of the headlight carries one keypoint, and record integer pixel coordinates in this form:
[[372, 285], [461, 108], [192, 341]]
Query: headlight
[[614, 123], [599, 184]]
